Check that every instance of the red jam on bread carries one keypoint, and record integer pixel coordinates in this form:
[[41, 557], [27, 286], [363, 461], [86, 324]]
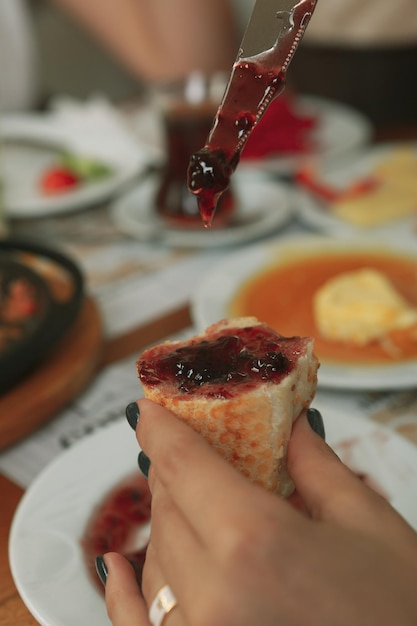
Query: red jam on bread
[[241, 385]]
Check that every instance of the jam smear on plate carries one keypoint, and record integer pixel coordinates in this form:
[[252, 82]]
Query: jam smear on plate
[[119, 524]]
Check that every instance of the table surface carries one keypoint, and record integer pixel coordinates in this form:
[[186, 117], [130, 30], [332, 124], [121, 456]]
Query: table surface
[[12, 609]]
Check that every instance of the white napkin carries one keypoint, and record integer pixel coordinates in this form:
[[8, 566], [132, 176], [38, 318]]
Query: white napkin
[[96, 128]]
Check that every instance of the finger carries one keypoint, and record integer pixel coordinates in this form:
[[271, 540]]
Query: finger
[[124, 602], [155, 579], [327, 488], [182, 557], [199, 480]]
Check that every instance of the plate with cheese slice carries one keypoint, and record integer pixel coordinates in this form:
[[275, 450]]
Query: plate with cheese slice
[[371, 193], [357, 297]]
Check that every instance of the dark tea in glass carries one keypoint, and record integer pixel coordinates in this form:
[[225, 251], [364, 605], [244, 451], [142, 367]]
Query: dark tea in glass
[[186, 124]]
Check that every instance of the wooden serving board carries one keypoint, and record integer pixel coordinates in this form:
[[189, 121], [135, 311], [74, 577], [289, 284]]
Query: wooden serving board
[[55, 381]]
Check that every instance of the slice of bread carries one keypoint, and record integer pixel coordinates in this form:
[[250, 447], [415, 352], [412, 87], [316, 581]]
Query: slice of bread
[[241, 385]]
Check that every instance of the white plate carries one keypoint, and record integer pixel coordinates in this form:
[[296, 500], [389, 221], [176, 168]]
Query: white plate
[[45, 555], [340, 174], [339, 129], [41, 139], [212, 298], [264, 206]]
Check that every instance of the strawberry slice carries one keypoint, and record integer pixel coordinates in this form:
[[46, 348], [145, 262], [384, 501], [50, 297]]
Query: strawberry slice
[[58, 180], [306, 178]]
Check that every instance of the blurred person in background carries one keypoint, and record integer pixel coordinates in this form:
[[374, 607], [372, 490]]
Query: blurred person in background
[[18, 57], [117, 48], [361, 53]]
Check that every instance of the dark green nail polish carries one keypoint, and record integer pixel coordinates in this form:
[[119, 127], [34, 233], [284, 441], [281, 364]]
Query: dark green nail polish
[[144, 463], [101, 569], [132, 414], [316, 422]]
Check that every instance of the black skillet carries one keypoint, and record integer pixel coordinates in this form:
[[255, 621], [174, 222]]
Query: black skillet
[[23, 345]]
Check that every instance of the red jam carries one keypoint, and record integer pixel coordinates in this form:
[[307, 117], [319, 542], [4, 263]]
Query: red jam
[[250, 91], [186, 127], [242, 356], [255, 82], [123, 513]]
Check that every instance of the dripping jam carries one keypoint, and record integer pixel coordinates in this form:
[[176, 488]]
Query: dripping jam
[[186, 129], [251, 89]]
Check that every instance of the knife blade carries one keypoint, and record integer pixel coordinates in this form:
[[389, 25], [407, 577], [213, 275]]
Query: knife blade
[[275, 29]]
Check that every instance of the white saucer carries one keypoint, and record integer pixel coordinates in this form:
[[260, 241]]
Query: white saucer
[[45, 553], [264, 206]]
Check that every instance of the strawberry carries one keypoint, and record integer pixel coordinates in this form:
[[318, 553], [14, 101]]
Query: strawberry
[[58, 180]]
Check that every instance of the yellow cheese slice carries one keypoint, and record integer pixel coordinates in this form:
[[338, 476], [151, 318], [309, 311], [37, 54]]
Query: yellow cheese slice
[[394, 197]]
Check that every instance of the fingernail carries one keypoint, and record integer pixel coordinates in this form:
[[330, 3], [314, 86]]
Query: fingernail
[[316, 422], [144, 463], [132, 414], [101, 569]]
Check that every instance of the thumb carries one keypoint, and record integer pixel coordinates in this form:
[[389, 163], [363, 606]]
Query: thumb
[[328, 490]]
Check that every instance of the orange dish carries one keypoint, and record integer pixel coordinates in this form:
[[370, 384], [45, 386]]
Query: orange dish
[[282, 296]]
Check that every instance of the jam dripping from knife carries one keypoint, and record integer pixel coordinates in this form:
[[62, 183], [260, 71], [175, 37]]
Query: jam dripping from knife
[[256, 80]]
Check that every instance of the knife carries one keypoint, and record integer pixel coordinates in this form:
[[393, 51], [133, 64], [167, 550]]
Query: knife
[[274, 31]]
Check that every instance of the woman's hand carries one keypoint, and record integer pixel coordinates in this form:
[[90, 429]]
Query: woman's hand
[[234, 554]]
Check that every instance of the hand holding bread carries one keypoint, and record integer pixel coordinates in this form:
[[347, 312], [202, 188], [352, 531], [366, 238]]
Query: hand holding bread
[[241, 385]]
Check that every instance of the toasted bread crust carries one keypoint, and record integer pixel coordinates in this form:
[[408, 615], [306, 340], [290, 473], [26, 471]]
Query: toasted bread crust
[[251, 430]]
